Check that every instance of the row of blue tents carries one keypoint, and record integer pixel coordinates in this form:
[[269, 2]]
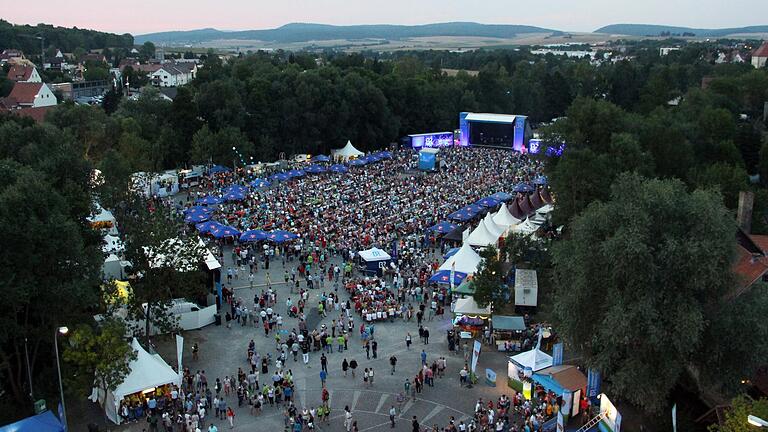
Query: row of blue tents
[[219, 230]]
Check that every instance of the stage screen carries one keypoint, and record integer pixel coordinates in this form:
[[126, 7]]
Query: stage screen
[[492, 134], [432, 140]]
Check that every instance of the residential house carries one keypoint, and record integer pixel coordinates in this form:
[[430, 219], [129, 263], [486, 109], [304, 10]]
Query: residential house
[[760, 56], [751, 263], [666, 50], [20, 73], [30, 95], [171, 74], [11, 56]]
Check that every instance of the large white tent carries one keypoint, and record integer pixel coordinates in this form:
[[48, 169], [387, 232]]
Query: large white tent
[[504, 218], [346, 152], [465, 260], [492, 226], [481, 237], [526, 227], [468, 306], [535, 359], [103, 218], [147, 371]]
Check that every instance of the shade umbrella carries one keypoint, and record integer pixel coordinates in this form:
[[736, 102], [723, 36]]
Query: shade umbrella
[[209, 200], [502, 196], [522, 187], [280, 236], [234, 196], [281, 177], [338, 168], [451, 252], [488, 202], [197, 209], [443, 227], [320, 158], [196, 217], [235, 188], [540, 180], [260, 182], [358, 162], [385, 155], [296, 173], [253, 236], [207, 227], [373, 158], [218, 169], [444, 277], [225, 231], [315, 169]]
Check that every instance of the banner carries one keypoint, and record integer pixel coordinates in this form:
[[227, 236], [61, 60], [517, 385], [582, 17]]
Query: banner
[[453, 274], [560, 422], [593, 384], [427, 161], [557, 354], [179, 351], [475, 355], [674, 418], [490, 377]]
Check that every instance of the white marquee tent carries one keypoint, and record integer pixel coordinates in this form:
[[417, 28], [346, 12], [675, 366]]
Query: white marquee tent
[[104, 218], [481, 237], [466, 260], [147, 371], [347, 152], [468, 306], [492, 226], [504, 218], [535, 359]]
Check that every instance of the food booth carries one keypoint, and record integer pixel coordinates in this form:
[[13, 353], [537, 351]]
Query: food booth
[[522, 366], [508, 332], [469, 317]]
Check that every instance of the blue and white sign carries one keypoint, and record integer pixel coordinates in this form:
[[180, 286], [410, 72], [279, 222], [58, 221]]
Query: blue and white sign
[[490, 377], [593, 384], [557, 354]]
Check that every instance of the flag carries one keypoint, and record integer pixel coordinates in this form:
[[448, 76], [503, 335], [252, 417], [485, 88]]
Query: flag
[[453, 273], [179, 350], [475, 355], [674, 418]]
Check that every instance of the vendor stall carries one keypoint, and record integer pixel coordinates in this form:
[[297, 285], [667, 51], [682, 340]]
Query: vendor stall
[[374, 260], [522, 366], [46, 421], [469, 317], [562, 380], [465, 289], [508, 332]]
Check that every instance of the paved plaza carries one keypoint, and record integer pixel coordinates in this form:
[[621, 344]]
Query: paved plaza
[[223, 350]]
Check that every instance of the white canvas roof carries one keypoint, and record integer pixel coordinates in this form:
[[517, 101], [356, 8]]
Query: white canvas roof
[[347, 151], [210, 261], [526, 227], [546, 208], [112, 244], [492, 226], [481, 237], [466, 260], [536, 359], [468, 306], [504, 218], [491, 118], [374, 254], [102, 215]]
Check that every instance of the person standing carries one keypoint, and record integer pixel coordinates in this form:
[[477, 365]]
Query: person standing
[[365, 377], [392, 414], [408, 341], [344, 366], [353, 366], [324, 363], [426, 336], [347, 419], [415, 425], [423, 358], [323, 376], [231, 417], [374, 347], [393, 362], [367, 350], [370, 377]]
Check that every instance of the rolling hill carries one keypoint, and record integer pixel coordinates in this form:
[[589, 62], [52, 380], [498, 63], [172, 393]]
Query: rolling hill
[[657, 30], [302, 32]]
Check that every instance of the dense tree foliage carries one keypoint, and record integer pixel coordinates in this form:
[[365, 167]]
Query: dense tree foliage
[[23, 37]]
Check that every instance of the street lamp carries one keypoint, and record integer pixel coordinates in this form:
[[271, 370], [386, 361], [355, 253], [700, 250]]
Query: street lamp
[[63, 331], [756, 421]]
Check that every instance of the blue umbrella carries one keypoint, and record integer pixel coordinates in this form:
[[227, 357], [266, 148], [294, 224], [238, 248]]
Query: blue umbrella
[[488, 202], [197, 217], [235, 188], [450, 253], [465, 213], [225, 231], [253, 236], [210, 199], [373, 158], [443, 227], [502, 196], [358, 162], [338, 168], [444, 277], [540, 180], [197, 209], [280, 176], [280, 236], [209, 226], [296, 173], [522, 187], [315, 169], [385, 155], [321, 158], [260, 182], [218, 169], [234, 196]]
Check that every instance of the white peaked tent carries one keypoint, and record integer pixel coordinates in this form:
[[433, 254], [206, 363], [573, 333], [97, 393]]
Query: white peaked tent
[[481, 237], [466, 260], [526, 227], [504, 218], [468, 306], [347, 152], [492, 226], [535, 359], [147, 371]]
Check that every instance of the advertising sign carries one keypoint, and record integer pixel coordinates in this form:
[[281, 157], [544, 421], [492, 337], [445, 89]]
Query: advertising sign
[[611, 416], [475, 355], [557, 354], [432, 140], [490, 377], [593, 384]]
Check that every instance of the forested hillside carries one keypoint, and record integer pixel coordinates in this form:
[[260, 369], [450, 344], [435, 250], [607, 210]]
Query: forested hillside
[[24, 37]]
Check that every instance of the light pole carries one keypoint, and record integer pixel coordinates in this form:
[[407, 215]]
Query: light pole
[[63, 331], [756, 421]]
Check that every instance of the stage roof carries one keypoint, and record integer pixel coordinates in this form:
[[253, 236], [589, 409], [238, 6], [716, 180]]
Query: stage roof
[[491, 118]]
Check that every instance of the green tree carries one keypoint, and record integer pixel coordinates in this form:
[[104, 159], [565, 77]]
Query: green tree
[[147, 50], [728, 179], [646, 266], [736, 415], [488, 279]]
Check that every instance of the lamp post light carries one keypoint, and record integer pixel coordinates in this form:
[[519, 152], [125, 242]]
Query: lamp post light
[[63, 331], [756, 421]]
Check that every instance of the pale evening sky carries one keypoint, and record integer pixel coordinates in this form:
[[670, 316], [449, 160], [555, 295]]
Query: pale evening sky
[[144, 16]]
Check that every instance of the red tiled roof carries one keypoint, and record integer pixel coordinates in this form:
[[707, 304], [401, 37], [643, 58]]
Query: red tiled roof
[[20, 73], [24, 92], [762, 51], [761, 241], [748, 267]]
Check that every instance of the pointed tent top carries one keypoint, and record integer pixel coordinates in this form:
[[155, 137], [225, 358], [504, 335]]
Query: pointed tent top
[[492, 226], [504, 218], [481, 237], [465, 260]]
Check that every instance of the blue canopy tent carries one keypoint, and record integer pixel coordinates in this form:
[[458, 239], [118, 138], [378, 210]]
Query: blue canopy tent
[[358, 162], [234, 196], [374, 260], [444, 277], [451, 252], [218, 169], [296, 173], [253, 236], [46, 421], [540, 180], [502, 196], [315, 169], [385, 155], [197, 217], [197, 209], [280, 236], [280, 177], [522, 187], [443, 227], [207, 227], [488, 202], [320, 158], [338, 168], [372, 158], [462, 215], [235, 188], [260, 182], [225, 231], [209, 200]]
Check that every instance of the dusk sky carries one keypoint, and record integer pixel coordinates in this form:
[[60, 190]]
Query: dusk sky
[[143, 16]]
